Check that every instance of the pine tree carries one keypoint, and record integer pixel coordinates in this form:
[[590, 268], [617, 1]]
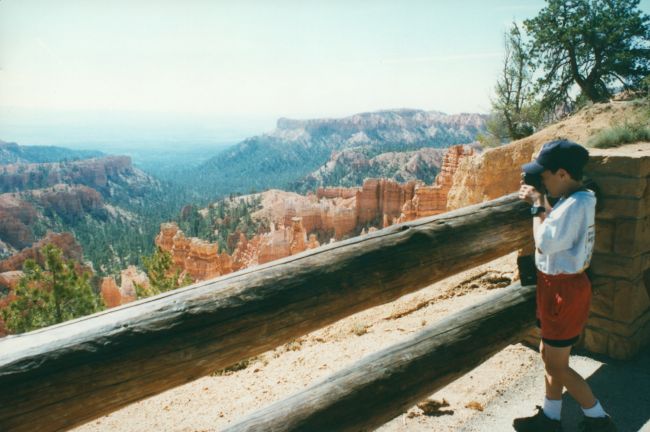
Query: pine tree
[[593, 44], [162, 276], [51, 294], [514, 103]]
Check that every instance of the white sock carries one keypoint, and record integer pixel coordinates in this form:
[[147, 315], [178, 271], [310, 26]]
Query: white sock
[[552, 408], [595, 411]]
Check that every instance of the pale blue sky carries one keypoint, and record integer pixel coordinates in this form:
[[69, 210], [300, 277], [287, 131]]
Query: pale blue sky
[[98, 71]]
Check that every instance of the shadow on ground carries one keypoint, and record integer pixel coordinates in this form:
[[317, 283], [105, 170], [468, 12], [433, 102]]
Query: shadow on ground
[[623, 387]]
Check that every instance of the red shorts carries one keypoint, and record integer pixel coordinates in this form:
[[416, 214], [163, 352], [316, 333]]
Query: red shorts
[[562, 304]]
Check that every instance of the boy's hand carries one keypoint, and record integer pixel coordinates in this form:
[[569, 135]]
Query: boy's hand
[[530, 195]]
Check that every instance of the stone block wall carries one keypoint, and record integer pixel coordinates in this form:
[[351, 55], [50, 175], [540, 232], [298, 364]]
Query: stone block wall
[[619, 322]]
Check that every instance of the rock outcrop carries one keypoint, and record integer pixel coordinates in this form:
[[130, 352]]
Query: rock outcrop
[[94, 173], [9, 280], [110, 292], [72, 202], [381, 199], [336, 192], [197, 258], [432, 200], [350, 166], [496, 172], [64, 241], [201, 260], [322, 215], [343, 151], [297, 221], [16, 219], [126, 292]]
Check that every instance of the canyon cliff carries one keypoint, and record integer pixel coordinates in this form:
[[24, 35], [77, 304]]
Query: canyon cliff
[[94, 173], [302, 155], [105, 202], [496, 172], [300, 222]]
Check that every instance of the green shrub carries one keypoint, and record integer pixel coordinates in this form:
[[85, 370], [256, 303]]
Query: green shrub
[[49, 294], [619, 135]]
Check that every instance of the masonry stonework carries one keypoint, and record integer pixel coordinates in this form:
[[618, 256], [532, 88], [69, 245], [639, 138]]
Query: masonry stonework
[[619, 322]]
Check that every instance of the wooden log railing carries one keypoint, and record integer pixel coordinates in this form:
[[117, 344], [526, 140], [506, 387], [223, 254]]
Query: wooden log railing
[[378, 388], [65, 375]]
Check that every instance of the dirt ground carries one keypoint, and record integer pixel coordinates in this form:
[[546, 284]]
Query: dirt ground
[[214, 402]]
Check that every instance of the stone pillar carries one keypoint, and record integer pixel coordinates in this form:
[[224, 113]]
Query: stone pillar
[[619, 322]]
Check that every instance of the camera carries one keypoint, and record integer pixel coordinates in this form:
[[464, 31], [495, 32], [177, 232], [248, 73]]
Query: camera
[[534, 180]]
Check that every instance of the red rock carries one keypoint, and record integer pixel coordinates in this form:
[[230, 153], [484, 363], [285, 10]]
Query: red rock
[[16, 218], [130, 277], [432, 200], [202, 261], [379, 197], [90, 172], [110, 292], [64, 241], [10, 279], [294, 219], [274, 245], [71, 202], [180, 249], [336, 192], [165, 239], [197, 258], [126, 293]]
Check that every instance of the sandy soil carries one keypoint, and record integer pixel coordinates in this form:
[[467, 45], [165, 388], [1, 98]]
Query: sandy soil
[[214, 402]]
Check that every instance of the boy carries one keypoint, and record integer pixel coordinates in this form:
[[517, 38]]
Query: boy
[[564, 239]]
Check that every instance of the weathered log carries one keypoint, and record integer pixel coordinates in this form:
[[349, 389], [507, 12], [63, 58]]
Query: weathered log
[[379, 387], [65, 375], [383, 385]]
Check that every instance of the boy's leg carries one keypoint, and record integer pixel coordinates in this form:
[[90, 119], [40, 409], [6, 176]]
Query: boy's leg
[[559, 374], [547, 418], [553, 384]]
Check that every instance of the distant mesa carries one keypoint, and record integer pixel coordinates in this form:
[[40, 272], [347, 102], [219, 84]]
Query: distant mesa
[[14, 153], [302, 155]]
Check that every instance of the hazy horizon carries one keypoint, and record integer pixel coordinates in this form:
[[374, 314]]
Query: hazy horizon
[[95, 74]]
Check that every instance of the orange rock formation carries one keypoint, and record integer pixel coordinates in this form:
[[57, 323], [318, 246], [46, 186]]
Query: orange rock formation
[[64, 241], [496, 172], [201, 260], [110, 292], [295, 219], [432, 200], [126, 292]]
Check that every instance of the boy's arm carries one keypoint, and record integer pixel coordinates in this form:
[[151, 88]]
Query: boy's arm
[[540, 201], [533, 197]]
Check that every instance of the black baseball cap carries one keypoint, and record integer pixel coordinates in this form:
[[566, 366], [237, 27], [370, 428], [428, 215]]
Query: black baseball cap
[[558, 154]]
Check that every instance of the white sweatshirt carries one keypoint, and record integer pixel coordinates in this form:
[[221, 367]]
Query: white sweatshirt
[[565, 240]]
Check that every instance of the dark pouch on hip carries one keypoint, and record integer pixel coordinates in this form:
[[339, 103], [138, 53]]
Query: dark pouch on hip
[[527, 270]]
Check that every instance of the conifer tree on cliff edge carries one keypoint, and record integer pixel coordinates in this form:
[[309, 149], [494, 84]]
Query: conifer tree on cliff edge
[[595, 44]]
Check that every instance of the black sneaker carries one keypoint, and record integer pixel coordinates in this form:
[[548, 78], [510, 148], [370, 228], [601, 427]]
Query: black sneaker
[[537, 423], [597, 424]]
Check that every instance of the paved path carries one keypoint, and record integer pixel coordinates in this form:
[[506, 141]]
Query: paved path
[[623, 388]]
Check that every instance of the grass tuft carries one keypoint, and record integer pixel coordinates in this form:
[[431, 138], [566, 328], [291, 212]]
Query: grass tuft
[[621, 134]]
